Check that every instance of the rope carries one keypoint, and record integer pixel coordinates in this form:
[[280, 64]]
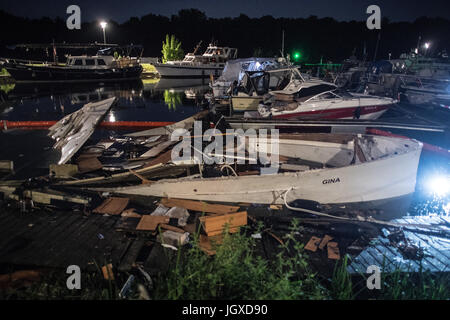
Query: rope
[[229, 167], [360, 219]]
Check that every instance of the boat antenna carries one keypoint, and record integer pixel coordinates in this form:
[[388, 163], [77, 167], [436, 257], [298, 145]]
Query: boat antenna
[[376, 47], [197, 47], [282, 43]]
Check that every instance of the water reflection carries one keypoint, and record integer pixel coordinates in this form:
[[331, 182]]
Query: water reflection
[[147, 100]]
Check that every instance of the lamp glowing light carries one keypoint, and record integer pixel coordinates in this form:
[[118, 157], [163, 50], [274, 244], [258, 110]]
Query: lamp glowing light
[[439, 185], [103, 24]]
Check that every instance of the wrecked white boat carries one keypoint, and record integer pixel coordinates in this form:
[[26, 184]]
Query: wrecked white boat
[[72, 131], [340, 172]]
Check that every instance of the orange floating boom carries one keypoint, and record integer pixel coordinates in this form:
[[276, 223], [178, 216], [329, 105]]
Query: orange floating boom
[[6, 124]]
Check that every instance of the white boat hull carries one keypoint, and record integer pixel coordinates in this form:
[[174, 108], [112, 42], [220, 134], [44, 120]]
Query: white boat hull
[[355, 108], [167, 70], [371, 182]]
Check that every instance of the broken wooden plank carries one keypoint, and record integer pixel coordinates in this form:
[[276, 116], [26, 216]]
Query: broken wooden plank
[[156, 150], [199, 206], [214, 225], [313, 244], [324, 241], [108, 272], [333, 251], [208, 244], [150, 223], [171, 228], [112, 206]]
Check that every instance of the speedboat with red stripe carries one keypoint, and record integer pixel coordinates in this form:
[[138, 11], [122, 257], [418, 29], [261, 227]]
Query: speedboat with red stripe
[[321, 100]]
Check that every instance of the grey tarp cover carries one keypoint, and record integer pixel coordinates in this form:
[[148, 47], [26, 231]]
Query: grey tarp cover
[[235, 69]]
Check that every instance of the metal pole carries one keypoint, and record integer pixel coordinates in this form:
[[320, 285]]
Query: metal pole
[[104, 36]]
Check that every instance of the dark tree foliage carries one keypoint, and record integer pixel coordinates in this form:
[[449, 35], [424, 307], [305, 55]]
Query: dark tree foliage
[[315, 38]]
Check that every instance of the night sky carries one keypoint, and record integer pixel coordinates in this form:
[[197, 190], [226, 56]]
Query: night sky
[[122, 10]]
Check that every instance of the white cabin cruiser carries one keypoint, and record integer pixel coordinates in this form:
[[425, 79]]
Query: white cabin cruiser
[[211, 62]]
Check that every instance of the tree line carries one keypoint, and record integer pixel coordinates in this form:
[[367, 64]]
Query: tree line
[[314, 37]]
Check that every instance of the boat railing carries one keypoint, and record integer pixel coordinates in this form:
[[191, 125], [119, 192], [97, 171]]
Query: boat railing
[[126, 62], [27, 62]]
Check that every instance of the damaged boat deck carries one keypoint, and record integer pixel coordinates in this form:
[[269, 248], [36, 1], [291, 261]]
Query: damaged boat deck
[[422, 250]]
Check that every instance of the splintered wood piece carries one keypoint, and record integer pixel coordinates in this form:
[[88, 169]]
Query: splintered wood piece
[[161, 159], [324, 241], [150, 223], [333, 251], [312, 244], [130, 213], [171, 228], [112, 206], [199, 206], [107, 272], [153, 152], [215, 225], [207, 244]]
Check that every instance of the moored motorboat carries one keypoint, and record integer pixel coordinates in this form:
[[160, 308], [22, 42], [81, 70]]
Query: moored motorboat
[[330, 105], [211, 62], [77, 69]]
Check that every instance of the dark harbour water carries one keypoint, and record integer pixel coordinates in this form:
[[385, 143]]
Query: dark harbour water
[[174, 100]]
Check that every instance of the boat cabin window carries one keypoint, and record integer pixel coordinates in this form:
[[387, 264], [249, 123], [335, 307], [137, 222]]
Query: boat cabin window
[[90, 62], [101, 62], [78, 62]]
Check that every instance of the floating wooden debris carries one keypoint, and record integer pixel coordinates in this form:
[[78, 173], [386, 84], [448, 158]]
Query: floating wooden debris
[[150, 223], [324, 241], [215, 225], [313, 244], [333, 251], [108, 272], [199, 206], [171, 228], [112, 206]]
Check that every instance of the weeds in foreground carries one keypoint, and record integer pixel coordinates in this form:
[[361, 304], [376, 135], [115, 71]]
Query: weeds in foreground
[[237, 272], [341, 283]]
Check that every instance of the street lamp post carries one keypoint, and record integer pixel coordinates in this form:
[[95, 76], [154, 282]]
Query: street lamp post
[[103, 25], [426, 46]]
